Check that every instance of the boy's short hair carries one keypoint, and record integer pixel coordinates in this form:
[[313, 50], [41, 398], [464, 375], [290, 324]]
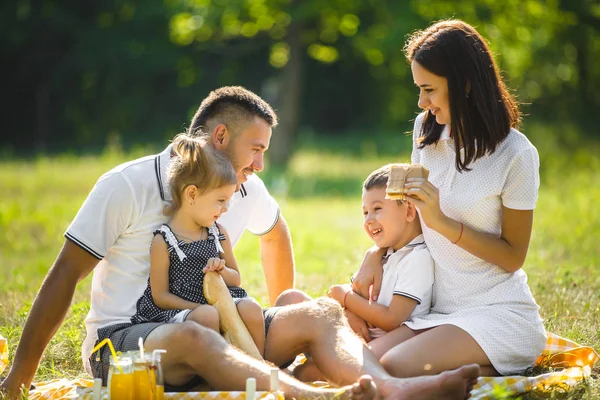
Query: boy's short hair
[[379, 178]]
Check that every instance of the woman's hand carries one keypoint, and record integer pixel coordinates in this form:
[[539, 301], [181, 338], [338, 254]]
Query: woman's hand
[[426, 197], [214, 264], [369, 274]]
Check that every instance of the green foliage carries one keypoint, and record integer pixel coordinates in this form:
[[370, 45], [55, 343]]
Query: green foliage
[[81, 75]]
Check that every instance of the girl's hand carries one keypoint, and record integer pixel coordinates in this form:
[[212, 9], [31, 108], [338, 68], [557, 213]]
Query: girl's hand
[[214, 264], [426, 197], [337, 292]]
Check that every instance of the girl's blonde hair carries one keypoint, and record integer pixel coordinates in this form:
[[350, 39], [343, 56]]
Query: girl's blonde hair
[[194, 162]]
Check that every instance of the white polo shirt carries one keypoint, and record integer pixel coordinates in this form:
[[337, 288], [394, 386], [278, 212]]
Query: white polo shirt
[[408, 272], [115, 225]]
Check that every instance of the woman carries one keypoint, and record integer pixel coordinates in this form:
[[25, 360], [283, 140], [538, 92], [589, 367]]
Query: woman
[[477, 214]]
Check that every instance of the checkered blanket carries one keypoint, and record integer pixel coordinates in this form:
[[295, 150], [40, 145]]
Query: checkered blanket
[[572, 362]]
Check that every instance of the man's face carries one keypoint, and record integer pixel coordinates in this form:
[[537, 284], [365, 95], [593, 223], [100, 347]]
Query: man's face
[[246, 150]]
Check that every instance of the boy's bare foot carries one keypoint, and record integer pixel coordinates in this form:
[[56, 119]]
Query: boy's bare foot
[[450, 385]]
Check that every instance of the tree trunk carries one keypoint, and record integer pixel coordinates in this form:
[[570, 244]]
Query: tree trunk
[[290, 91]]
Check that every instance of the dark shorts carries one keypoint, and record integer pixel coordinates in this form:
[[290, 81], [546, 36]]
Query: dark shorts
[[269, 314], [124, 337]]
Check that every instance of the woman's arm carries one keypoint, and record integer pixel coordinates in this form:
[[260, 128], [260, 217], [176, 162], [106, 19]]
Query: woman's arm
[[386, 318], [159, 278], [369, 274], [507, 251]]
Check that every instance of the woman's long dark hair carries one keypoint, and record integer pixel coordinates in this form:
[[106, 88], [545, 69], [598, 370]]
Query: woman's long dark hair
[[481, 108]]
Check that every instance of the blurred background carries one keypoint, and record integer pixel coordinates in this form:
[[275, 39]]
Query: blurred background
[[78, 76], [87, 85]]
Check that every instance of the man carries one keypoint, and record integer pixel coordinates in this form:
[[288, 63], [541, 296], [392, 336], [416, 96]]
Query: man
[[111, 235]]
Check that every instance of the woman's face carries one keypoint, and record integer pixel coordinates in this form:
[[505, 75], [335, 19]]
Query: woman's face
[[433, 94]]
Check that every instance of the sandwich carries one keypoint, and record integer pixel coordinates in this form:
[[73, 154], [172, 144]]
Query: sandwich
[[398, 175]]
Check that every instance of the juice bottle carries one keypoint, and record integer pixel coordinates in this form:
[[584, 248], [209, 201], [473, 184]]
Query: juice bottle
[[120, 379]]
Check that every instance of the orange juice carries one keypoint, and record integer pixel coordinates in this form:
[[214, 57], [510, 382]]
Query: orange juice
[[144, 383], [120, 379], [160, 392], [121, 386]]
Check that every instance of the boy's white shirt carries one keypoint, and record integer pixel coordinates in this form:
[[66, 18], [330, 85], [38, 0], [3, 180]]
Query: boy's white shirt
[[115, 225], [408, 272]]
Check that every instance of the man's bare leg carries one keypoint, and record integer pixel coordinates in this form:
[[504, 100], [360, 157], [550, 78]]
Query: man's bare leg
[[196, 350], [320, 328]]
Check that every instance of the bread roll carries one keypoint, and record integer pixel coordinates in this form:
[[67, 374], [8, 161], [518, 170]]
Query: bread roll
[[232, 327]]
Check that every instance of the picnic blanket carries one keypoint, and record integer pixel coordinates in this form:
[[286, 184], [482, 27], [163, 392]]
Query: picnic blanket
[[572, 363]]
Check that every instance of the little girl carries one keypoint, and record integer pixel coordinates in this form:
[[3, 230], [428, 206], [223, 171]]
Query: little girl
[[202, 182]]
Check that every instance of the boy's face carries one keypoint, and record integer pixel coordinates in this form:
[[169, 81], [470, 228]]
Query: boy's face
[[385, 221]]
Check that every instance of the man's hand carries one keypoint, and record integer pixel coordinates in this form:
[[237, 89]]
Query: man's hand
[[48, 311], [370, 274], [214, 264]]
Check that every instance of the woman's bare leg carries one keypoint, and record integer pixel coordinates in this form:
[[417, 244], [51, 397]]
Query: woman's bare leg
[[385, 343], [439, 349]]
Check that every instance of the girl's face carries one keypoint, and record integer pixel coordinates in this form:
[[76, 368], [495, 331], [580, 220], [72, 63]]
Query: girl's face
[[433, 95], [207, 207]]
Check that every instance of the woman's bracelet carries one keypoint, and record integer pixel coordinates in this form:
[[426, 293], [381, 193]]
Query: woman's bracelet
[[462, 228], [344, 300]]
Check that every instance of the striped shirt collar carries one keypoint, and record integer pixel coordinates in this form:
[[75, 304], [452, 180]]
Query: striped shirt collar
[[161, 165], [417, 241]]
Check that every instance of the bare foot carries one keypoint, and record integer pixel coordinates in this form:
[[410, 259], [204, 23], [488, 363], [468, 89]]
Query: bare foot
[[450, 385], [363, 389], [308, 372]]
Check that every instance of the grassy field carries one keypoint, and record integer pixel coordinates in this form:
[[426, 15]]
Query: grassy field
[[319, 195]]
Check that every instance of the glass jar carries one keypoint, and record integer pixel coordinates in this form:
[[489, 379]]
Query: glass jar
[[144, 381], [120, 379]]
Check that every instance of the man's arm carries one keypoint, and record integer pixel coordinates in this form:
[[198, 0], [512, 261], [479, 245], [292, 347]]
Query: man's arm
[[277, 259], [47, 313]]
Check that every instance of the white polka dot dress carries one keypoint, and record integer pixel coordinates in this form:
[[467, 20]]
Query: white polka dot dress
[[494, 306], [186, 278]]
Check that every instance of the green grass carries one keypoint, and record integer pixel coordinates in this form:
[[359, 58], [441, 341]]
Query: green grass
[[319, 195]]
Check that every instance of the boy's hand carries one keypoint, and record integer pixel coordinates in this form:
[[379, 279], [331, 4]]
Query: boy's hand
[[358, 325], [337, 292], [214, 264]]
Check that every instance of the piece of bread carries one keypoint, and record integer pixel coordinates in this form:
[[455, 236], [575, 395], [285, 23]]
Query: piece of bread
[[232, 327], [398, 175]]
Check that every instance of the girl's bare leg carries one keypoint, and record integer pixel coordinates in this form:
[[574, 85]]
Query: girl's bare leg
[[252, 315], [205, 315]]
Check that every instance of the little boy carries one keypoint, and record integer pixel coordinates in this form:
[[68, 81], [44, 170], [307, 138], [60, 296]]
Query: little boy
[[408, 268], [407, 272]]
